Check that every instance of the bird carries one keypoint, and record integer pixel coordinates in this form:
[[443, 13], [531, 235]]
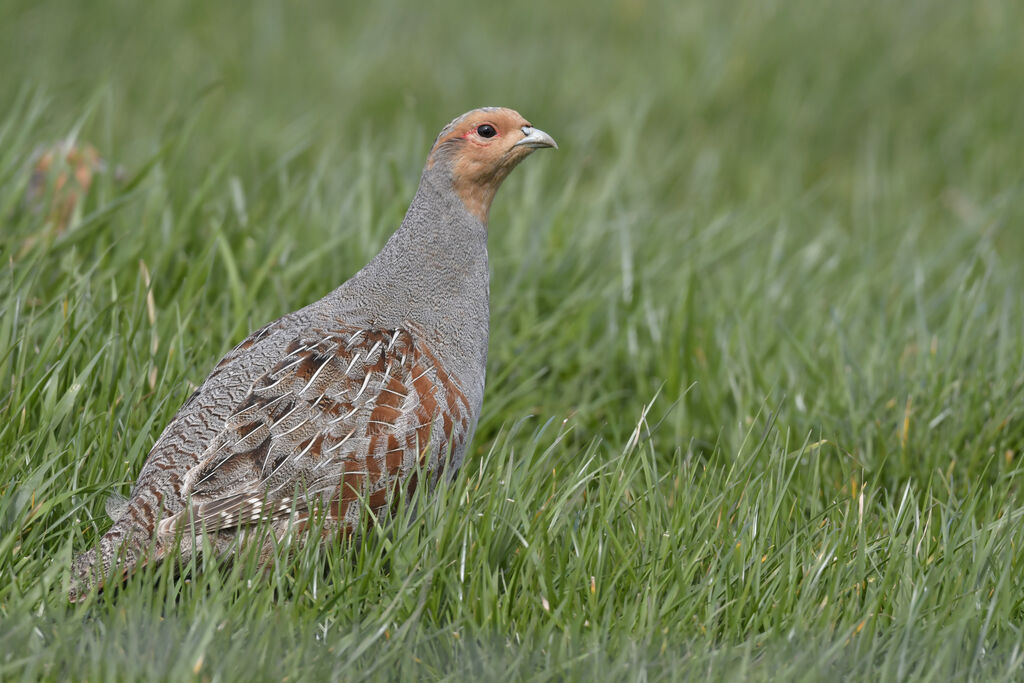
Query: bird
[[335, 408]]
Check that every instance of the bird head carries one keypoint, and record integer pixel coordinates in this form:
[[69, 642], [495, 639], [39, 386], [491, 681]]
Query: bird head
[[478, 150]]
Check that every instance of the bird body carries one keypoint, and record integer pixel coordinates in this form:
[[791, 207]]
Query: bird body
[[333, 408]]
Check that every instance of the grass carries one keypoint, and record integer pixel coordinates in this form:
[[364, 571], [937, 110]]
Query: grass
[[755, 403]]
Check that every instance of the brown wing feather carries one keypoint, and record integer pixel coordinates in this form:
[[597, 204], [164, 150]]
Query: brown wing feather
[[346, 412]]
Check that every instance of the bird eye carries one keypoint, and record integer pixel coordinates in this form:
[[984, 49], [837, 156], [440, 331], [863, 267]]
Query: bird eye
[[486, 130]]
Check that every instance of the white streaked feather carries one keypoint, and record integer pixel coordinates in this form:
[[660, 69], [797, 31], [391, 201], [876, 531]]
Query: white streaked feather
[[353, 338], [366, 380], [275, 423], [342, 418], [355, 359], [282, 377], [301, 424], [425, 371], [315, 375], [340, 443], [387, 376]]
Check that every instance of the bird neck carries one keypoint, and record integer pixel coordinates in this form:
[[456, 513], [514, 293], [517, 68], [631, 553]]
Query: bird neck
[[433, 272]]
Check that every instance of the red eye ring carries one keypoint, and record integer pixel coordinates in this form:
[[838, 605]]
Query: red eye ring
[[486, 130]]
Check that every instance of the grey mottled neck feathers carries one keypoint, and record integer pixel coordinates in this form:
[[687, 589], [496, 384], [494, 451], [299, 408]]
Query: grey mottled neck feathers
[[432, 272]]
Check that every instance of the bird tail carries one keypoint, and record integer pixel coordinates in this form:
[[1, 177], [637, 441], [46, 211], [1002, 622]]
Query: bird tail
[[118, 552]]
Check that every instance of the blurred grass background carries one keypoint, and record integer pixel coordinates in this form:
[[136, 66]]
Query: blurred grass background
[[754, 399]]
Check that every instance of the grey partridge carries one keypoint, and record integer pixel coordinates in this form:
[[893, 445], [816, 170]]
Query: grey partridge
[[335, 407]]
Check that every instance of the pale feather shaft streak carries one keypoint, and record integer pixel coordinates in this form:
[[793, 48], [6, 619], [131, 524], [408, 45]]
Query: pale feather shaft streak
[[354, 359], [316, 374]]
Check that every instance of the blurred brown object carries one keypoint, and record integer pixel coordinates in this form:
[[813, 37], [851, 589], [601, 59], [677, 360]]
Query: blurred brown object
[[62, 174]]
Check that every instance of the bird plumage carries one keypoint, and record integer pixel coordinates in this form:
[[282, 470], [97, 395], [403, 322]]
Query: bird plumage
[[336, 406]]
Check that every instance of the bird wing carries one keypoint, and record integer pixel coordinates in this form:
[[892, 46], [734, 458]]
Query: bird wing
[[346, 412]]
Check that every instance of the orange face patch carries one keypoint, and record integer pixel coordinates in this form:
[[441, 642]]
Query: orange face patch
[[480, 146]]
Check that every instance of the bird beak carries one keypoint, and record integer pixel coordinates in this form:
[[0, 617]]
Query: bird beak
[[535, 139]]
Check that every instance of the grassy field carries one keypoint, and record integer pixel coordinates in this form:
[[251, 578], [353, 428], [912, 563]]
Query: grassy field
[[755, 403]]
